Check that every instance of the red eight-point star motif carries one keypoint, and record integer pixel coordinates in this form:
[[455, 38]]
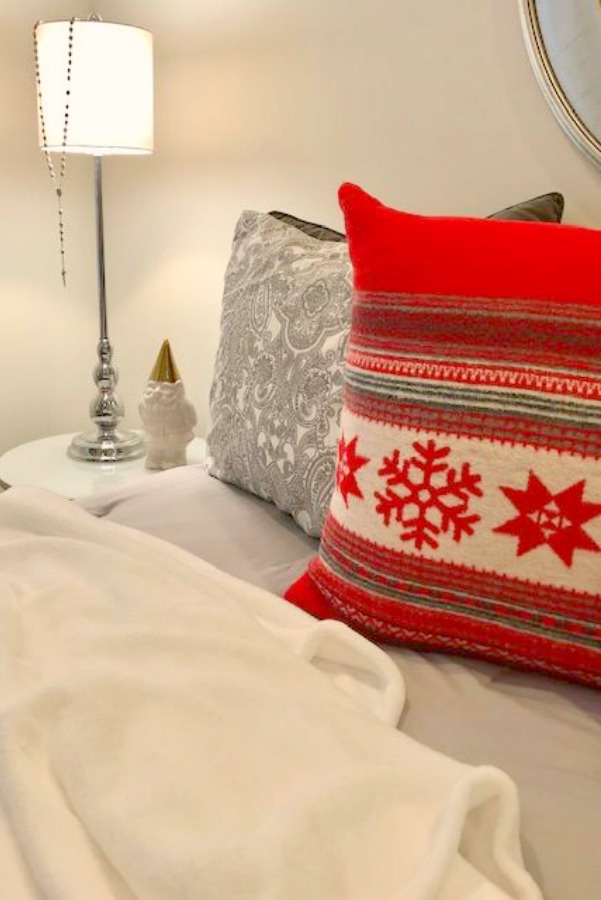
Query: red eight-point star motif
[[552, 519], [348, 464]]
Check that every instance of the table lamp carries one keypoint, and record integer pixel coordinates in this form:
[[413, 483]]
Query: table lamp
[[95, 96]]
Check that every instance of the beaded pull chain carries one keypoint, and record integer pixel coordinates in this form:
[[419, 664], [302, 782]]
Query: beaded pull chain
[[56, 181]]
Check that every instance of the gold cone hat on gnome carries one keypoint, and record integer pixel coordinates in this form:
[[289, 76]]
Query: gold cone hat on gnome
[[165, 368], [167, 414]]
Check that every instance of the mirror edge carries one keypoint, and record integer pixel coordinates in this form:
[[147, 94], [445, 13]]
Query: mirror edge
[[552, 90]]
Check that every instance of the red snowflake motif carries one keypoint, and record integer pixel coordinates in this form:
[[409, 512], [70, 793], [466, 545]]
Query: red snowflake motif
[[434, 499], [551, 519], [348, 464]]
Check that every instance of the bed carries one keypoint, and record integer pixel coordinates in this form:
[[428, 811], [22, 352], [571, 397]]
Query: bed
[[544, 733], [173, 725]]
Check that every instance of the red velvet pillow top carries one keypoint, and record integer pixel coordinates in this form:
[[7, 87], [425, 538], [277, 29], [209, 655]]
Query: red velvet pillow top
[[467, 509]]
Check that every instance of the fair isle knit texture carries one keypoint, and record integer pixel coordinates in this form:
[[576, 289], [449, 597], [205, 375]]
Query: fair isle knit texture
[[467, 510]]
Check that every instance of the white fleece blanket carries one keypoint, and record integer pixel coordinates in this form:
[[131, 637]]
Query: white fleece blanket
[[170, 733]]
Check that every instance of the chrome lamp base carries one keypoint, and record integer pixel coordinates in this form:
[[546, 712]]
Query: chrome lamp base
[[107, 447], [108, 444]]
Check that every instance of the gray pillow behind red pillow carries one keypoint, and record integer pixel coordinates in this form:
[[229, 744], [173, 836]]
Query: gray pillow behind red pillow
[[545, 208], [276, 394]]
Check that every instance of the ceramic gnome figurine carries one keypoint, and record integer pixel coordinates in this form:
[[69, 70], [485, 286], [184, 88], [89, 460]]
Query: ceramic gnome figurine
[[167, 416]]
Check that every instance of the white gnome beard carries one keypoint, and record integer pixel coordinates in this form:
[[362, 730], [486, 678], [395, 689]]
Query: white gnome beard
[[168, 419]]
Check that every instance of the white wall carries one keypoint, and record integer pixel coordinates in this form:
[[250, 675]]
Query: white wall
[[259, 104]]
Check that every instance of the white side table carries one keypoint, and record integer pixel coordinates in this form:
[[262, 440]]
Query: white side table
[[44, 463]]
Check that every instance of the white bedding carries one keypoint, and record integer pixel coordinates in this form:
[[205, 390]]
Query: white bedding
[[546, 734], [162, 736]]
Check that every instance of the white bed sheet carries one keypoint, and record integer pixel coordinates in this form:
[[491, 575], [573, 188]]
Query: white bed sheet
[[544, 733]]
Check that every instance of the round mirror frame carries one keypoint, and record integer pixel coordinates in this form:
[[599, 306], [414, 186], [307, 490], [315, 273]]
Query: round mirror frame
[[565, 113]]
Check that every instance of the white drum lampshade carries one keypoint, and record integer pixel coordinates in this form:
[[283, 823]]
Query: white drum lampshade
[[111, 107]]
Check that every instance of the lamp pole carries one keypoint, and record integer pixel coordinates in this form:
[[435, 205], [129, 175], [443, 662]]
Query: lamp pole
[[107, 444]]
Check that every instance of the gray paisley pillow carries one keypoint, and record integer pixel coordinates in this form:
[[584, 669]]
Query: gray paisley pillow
[[276, 394], [277, 386]]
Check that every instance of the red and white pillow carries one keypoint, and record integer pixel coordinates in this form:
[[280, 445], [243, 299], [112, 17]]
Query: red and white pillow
[[467, 509]]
